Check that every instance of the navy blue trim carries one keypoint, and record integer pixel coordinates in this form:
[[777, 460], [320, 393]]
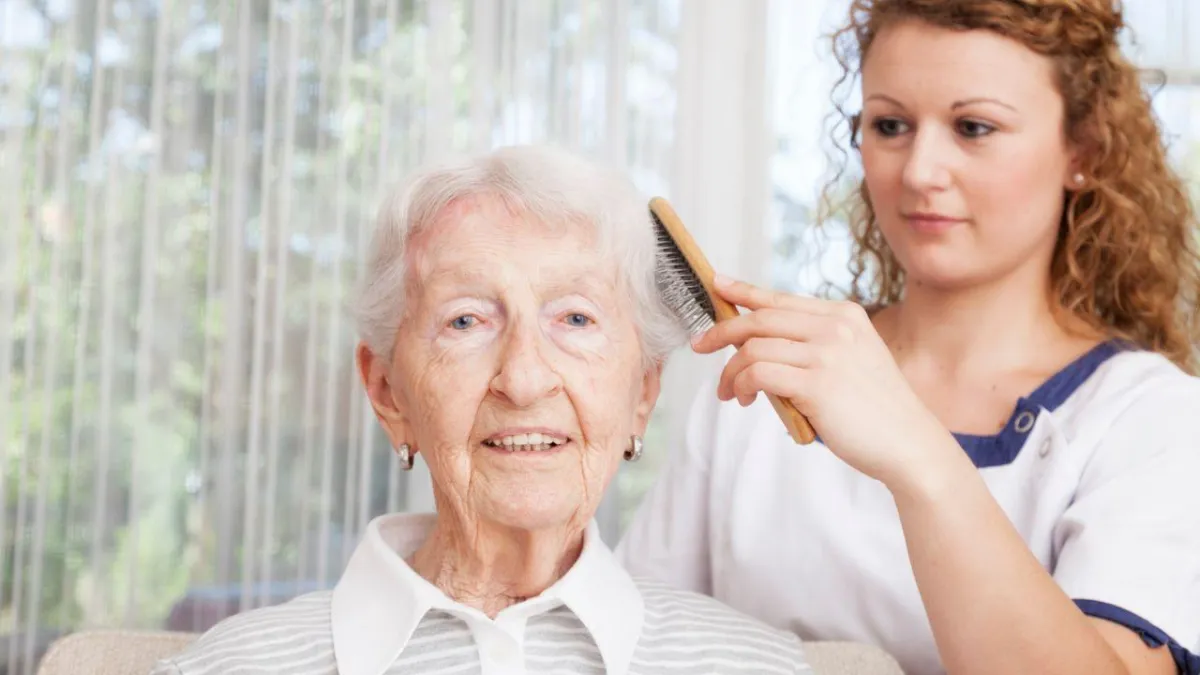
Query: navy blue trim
[[1186, 662], [1002, 448]]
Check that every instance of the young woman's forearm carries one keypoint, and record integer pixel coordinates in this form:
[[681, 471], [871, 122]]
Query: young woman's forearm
[[992, 606]]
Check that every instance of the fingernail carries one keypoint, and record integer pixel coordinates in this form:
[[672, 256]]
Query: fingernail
[[721, 280], [696, 339]]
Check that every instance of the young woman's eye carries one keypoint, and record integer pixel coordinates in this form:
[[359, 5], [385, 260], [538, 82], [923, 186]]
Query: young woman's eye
[[464, 322], [889, 126], [578, 320], [974, 129]]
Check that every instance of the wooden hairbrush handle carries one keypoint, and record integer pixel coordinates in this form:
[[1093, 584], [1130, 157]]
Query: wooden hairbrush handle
[[797, 424]]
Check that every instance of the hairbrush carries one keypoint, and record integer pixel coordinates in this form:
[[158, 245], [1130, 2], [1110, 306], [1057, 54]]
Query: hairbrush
[[684, 279]]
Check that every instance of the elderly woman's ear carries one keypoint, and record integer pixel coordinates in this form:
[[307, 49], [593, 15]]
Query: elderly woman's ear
[[651, 388], [374, 373]]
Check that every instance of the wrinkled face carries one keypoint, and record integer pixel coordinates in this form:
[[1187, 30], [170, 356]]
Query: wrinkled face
[[964, 153], [517, 372]]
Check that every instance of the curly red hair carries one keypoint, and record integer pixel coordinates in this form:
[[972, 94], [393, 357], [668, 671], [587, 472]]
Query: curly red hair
[[1126, 260]]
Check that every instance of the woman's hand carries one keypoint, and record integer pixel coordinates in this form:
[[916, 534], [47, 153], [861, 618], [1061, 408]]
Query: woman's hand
[[827, 358]]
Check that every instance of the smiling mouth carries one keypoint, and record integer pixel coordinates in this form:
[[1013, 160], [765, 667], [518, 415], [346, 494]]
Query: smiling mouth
[[533, 442]]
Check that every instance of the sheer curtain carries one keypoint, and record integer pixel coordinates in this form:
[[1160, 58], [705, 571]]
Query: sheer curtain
[[186, 188], [187, 191]]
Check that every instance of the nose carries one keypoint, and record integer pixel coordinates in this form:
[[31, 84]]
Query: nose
[[525, 376], [926, 168]]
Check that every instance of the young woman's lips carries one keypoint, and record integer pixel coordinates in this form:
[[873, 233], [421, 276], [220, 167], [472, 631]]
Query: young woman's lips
[[931, 223]]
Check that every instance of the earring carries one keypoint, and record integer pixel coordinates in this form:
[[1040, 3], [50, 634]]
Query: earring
[[405, 453], [1078, 178], [634, 452]]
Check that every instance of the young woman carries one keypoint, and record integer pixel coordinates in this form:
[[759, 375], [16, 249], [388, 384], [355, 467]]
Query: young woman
[[1008, 473]]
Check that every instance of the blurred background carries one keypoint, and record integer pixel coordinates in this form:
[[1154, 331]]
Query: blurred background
[[186, 191]]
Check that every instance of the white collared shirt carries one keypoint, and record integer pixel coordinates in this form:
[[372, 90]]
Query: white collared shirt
[[384, 618], [1098, 470]]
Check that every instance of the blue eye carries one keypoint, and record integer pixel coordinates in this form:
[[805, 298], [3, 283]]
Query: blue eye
[[578, 320], [463, 322]]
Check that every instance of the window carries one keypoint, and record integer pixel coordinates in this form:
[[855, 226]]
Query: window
[[182, 435], [192, 183]]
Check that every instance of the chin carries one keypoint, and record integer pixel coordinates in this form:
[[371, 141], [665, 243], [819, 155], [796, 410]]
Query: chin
[[941, 281], [944, 271], [536, 509]]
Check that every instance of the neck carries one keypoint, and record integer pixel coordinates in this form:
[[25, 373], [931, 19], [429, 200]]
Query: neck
[[988, 326], [490, 566]]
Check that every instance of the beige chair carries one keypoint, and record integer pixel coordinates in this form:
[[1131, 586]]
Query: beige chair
[[103, 652], [850, 658], [111, 652]]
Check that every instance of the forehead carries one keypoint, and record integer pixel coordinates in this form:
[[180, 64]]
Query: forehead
[[481, 240], [918, 60]]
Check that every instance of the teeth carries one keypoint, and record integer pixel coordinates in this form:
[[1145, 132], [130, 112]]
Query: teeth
[[526, 442]]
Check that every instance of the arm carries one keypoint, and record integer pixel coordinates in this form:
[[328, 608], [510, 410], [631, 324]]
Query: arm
[[1129, 544], [1128, 555], [991, 605], [668, 538]]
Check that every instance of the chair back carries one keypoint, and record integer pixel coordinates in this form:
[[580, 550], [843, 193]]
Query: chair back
[[850, 658], [112, 652]]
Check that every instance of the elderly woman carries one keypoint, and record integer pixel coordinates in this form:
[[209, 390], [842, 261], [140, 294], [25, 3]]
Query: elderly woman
[[513, 340]]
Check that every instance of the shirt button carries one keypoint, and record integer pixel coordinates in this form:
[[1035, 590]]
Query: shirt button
[[1045, 449], [1024, 422]]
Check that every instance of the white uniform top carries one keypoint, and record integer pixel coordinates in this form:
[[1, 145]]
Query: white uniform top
[[1098, 469]]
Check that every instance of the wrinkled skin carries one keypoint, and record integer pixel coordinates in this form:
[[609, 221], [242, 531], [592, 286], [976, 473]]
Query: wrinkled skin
[[510, 324]]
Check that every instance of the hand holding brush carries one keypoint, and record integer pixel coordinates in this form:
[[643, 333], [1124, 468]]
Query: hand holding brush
[[685, 280]]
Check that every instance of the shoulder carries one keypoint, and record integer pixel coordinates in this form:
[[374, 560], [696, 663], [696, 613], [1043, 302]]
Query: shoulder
[[706, 631], [1137, 419], [1138, 389], [265, 640], [1134, 368]]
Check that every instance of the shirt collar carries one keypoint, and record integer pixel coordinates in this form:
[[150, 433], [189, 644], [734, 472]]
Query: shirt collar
[[379, 601]]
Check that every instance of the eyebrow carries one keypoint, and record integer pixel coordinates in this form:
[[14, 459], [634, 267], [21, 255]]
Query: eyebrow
[[884, 97], [982, 99], [954, 106]]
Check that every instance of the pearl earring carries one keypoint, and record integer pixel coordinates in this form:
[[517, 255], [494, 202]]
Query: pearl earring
[[1078, 178], [634, 452], [405, 453]]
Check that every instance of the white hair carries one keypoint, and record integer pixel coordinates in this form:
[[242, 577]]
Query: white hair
[[547, 183]]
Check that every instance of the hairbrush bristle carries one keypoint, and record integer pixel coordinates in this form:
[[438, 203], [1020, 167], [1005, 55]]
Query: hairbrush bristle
[[678, 285]]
